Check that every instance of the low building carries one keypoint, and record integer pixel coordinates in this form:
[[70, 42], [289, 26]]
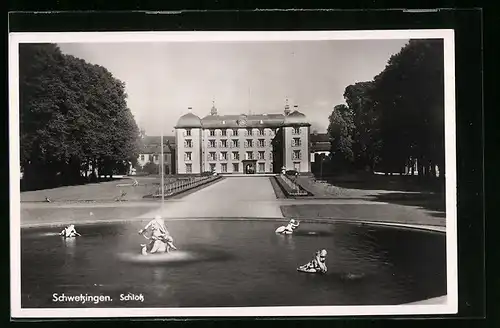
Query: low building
[[150, 152], [320, 146], [320, 152], [245, 143]]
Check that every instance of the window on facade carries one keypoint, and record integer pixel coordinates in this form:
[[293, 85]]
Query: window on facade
[[236, 167], [223, 143], [296, 130], [212, 167], [249, 155], [261, 155], [262, 167], [188, 156], [189, 168], [224, 133], [236, 155], [211, 143], [142, 157], [235, 132], [261, 143], [296, 154], [271, 155], [211, 156], [235, 143], [212, 132], [223, 156], [150, 158], [249, 132], [223, 167], [188, 132], [296, 142], [156, 157], [249, 143], [188, 144], [262, 132]]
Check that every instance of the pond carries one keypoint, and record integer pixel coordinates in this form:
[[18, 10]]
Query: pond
[[232, 263]]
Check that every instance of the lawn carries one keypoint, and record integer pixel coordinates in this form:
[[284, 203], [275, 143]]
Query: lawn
[[44, 215], [103, 191], [364, 212]]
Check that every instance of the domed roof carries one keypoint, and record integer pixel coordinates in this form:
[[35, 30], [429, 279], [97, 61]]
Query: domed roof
[[296, 117], [189, 120]]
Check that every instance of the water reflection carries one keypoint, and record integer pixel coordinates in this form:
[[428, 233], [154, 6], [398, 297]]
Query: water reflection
[[238, 263], [69, 246], [287, 241]]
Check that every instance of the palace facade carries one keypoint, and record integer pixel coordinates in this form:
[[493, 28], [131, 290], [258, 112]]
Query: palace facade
[[244, 144]]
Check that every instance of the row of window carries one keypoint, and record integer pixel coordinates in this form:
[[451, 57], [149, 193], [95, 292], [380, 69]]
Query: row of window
[[296, 142], [235, 156], [235, 132], [261, 167], [151, 157], [235, 143]]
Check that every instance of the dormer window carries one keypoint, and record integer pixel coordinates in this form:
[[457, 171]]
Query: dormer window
[[223, 122]]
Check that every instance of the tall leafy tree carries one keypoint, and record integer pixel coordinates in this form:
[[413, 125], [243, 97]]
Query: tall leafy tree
[[409, 94], [340, 131], [73, 117], [366, 136]]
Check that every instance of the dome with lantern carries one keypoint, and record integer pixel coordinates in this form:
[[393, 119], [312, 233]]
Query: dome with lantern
[[189, 120]]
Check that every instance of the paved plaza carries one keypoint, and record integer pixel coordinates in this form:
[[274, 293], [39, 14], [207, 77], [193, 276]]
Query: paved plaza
[[232, 197]]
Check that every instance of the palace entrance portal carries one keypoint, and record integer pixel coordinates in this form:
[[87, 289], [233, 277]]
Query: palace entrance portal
[[249, 166]]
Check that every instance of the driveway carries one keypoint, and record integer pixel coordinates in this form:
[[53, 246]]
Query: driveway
[[230, 197]]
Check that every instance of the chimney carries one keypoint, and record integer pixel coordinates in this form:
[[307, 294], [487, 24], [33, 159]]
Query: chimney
[[190, 109], [295, 107]]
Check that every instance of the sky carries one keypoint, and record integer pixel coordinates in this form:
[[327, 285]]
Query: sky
[[163, 79]]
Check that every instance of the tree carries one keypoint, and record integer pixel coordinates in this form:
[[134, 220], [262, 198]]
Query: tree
[[151, 168], [409, 95], [340, 131], [366, 136], [73, 117]]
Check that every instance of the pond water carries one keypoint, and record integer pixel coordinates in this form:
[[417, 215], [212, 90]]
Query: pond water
[[232, 263]]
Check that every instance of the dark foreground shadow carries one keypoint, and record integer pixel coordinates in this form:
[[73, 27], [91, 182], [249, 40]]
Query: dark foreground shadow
[[390, 183], [434, 203], [188, 255]]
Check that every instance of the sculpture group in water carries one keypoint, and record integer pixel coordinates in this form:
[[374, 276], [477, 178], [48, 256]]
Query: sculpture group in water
[[160, 241], [318, 263], [69, 232], [289, 228]]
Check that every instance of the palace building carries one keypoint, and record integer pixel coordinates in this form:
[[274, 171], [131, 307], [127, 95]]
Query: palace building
[[244, 144]]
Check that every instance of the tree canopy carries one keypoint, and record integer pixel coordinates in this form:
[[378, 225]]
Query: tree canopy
[[340, 131], [73, 118], [398, 118]]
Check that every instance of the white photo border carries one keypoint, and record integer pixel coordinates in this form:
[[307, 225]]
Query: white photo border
[[450, 305]]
